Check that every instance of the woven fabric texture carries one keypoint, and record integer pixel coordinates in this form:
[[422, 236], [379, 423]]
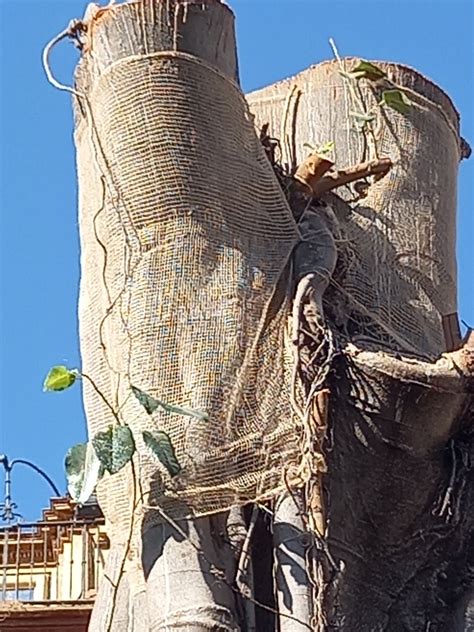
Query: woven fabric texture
[[401, 277], [185, 236]]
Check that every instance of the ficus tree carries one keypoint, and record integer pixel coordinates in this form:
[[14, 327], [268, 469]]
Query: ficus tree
[[277, 395]]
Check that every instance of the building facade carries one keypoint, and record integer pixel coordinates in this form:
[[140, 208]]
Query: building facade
[[50, 569]]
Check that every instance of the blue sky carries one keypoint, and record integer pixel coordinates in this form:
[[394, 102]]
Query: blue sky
[[38, 215]]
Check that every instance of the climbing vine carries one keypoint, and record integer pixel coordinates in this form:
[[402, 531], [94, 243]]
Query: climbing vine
[[110, 450]]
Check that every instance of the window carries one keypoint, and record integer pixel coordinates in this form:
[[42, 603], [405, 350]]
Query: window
[[22, 594]]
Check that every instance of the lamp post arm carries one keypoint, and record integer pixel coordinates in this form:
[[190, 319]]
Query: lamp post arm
[[39, 471]]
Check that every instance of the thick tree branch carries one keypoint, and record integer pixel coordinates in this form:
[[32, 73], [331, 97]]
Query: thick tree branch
[[452, 373], [312, 169], [314, 173]]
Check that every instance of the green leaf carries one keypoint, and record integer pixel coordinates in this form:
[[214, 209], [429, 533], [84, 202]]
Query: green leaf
[[151, 404], [114, 447], [83, 470], [396, 100], [161, 446], [326, 148], [368, 71], [74, 464], [148, 403], [59, 378]]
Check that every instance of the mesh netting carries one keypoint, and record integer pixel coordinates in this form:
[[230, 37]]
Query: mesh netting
[[401, 278], [185, 235]]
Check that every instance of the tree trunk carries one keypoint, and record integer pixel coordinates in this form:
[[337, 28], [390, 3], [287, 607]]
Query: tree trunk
[[399, 498], [398, 487], [293, 587], [387, 504], [183, 578]]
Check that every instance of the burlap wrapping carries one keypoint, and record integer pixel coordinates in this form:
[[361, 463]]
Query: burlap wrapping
[[185, 235], [401, 278]]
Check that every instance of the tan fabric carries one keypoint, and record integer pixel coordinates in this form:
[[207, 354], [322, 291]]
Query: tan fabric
[[401, 276], [180, 265], [182, 256]]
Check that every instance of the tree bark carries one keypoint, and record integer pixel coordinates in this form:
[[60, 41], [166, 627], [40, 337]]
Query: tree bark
[[399, 493], [293, 586]]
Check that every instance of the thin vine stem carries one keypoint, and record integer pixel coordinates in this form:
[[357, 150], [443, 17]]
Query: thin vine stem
[[102, 396], [357, 101]]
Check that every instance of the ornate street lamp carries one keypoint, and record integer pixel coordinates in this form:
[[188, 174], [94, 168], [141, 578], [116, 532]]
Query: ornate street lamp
[[7, 508]]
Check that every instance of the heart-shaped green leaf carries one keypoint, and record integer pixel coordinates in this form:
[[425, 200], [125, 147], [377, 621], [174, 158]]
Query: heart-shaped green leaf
[[59, 378], [161, 446], [83, 470], [368, 71], [114, 447], [151, 404], [396, 100]]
